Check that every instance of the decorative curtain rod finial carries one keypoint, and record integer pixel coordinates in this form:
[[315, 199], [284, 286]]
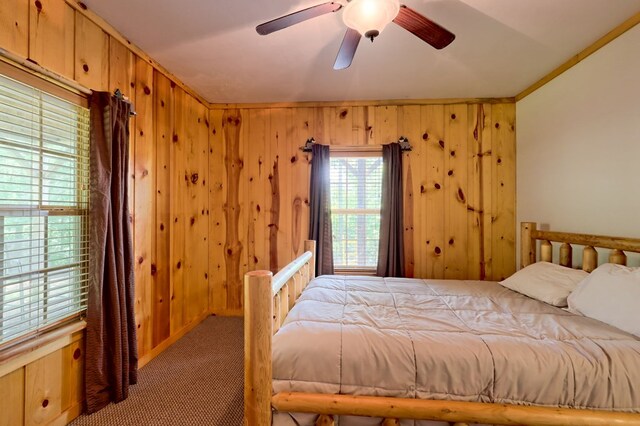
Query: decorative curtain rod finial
[[404, 144], [307, 147], [118, 94]]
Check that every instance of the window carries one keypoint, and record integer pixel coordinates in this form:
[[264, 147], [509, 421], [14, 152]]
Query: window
[[44, 178], [356, 185]]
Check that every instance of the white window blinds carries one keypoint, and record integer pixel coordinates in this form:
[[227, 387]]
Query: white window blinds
[[356, 185], [44, 180]]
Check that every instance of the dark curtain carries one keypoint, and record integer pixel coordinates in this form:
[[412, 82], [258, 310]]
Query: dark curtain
[[391, 250], [111, 348], [320, 203]]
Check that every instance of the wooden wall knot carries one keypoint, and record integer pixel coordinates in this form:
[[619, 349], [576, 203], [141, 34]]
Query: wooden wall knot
[[461, 196], [194, 178]]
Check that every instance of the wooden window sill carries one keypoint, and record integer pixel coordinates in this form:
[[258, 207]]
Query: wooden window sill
[[23, 353], [367, 272]]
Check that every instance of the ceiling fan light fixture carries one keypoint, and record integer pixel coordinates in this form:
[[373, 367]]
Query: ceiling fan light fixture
[[370, 17]]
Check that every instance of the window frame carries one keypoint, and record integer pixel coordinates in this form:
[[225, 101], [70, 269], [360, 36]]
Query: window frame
[[359, 151], [62, 328]]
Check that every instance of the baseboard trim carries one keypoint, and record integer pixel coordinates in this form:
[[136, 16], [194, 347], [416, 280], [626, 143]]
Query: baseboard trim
[[144, 360], [68, 416], [228, 313]]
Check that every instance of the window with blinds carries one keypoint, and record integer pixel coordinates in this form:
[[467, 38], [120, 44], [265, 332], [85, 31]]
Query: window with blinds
[[44, 196], [356, 185]]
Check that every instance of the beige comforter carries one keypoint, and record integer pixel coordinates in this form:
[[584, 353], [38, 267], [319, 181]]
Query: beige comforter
[[458, 340]]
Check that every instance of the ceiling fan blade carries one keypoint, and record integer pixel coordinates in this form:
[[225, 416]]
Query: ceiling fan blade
[[347, 49], [423, 28], [297, 17]]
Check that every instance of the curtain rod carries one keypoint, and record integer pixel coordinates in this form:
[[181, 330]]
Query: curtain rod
[[404, 146]]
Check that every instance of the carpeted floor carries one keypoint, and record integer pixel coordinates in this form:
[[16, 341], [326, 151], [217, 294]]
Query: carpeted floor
[[197, 381]]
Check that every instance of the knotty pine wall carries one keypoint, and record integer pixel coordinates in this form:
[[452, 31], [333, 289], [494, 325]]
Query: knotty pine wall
[[200, 221], [459, 186], [168, 195]]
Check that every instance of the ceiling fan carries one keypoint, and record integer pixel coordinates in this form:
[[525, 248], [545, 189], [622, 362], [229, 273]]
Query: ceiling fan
[[365, 18]]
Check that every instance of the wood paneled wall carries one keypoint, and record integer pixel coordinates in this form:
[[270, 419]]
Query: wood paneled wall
[[47, 390], [168, 194], [459, 187], [218, 192]]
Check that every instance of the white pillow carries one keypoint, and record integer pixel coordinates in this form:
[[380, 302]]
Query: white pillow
[[610, 294], [547, 282]]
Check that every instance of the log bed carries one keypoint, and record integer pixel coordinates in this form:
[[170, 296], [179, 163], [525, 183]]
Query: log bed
[[268, 299]]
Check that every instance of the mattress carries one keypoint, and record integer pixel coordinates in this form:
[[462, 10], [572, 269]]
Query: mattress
[[451, 340]]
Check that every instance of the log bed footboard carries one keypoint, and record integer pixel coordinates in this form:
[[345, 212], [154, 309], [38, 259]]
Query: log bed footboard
[[268, 299]]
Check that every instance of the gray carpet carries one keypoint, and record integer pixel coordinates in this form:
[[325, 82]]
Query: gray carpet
[[197, 381]]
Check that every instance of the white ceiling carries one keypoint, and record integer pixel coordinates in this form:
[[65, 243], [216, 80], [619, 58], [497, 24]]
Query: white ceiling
[[501, 47]]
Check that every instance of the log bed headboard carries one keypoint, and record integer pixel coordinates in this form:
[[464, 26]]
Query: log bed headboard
[[268, 299], [529, 235]]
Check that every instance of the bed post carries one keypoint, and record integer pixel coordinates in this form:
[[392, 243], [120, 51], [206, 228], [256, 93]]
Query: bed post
[[528, 246], [310, 245], [258, 330]]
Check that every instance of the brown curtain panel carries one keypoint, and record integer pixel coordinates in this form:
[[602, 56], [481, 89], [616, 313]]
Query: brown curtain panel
[[391, 250], [320, 203], [111, 346]]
